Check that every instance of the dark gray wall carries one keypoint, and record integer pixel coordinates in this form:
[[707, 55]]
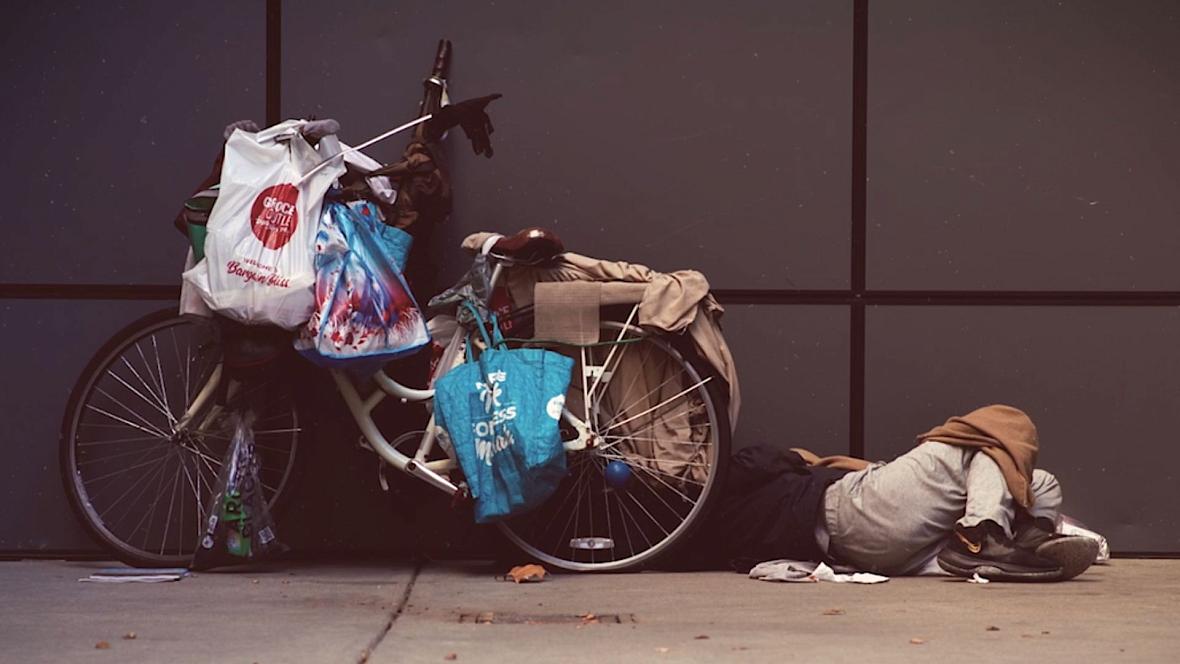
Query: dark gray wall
[[1023, 145], [1011, 145], [112, 115], [45, 345], [793, 362], [668, 133], [1031, 146]]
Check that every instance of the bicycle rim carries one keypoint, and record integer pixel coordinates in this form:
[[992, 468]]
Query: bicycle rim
[[653, 412], [137, 482]]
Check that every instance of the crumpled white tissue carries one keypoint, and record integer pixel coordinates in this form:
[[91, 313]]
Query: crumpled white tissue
[[800, 571]]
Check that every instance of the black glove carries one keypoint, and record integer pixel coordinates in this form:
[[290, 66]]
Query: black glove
[[471, 116]]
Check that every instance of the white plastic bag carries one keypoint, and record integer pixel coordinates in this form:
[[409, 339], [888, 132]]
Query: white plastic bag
[[191, 302], [258, 265]]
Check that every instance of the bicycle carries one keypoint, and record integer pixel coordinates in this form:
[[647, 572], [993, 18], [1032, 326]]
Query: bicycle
[[148, 422]]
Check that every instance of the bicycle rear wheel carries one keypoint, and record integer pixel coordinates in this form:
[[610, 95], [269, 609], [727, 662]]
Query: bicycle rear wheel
[[661, 440], [138, 481]]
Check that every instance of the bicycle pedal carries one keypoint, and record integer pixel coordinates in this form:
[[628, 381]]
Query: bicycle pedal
[[462, 497]]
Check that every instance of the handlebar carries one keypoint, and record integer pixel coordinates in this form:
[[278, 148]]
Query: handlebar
[[442, 60]]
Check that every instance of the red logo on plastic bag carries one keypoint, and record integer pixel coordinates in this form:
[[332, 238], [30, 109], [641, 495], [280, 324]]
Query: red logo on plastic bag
[[274, 217]]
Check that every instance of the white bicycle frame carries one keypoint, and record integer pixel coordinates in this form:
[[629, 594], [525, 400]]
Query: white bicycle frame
[[431, 472], [435, 472]]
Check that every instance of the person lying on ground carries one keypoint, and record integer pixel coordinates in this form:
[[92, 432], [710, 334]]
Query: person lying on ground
[[966, 500]]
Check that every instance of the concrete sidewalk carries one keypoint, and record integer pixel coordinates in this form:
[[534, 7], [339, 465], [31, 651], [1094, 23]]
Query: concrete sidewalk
[[1128, 611]]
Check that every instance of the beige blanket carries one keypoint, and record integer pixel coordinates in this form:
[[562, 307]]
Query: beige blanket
[[668, 443], [1003, 433], [677, 302]]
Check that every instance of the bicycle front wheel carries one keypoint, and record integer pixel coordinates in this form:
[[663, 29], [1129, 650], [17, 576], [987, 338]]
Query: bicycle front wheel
[[659, 442], [137, 478]]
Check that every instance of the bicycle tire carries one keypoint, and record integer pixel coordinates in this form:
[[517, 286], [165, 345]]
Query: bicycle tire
[[122, 407], [665, 498]]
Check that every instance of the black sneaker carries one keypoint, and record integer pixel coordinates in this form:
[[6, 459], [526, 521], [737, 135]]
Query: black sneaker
[[987, 550], [1073, 553]]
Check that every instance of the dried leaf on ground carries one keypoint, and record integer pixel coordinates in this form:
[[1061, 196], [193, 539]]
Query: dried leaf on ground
[[451, 657], [833, 612], [701, 637], [526, 574], [917, 641], [992, 628], [589, 619], [102, 645], [130, 636]]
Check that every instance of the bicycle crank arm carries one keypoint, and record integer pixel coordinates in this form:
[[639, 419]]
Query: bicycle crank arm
[[584, 435], [432, 478]]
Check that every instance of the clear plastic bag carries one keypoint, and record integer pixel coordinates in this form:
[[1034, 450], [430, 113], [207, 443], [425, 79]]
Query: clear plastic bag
[[1069, 526], [238, 524]]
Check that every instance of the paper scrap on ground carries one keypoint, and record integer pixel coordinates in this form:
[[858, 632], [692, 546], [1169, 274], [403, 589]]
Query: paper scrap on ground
[[799, 571], [976, 578], [136, 575]]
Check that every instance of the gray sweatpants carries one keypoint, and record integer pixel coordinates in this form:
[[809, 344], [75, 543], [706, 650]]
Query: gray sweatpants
[[892, 518]]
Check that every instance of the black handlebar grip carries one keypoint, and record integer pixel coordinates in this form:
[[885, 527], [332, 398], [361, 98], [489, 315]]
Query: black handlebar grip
[[442, 60]]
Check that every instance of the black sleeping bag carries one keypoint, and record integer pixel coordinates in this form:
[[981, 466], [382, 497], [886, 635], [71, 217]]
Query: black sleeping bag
[[770, 502]]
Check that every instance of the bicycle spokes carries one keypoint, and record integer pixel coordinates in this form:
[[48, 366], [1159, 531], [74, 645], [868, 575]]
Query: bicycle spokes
[[144, 443], [649, 412]]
